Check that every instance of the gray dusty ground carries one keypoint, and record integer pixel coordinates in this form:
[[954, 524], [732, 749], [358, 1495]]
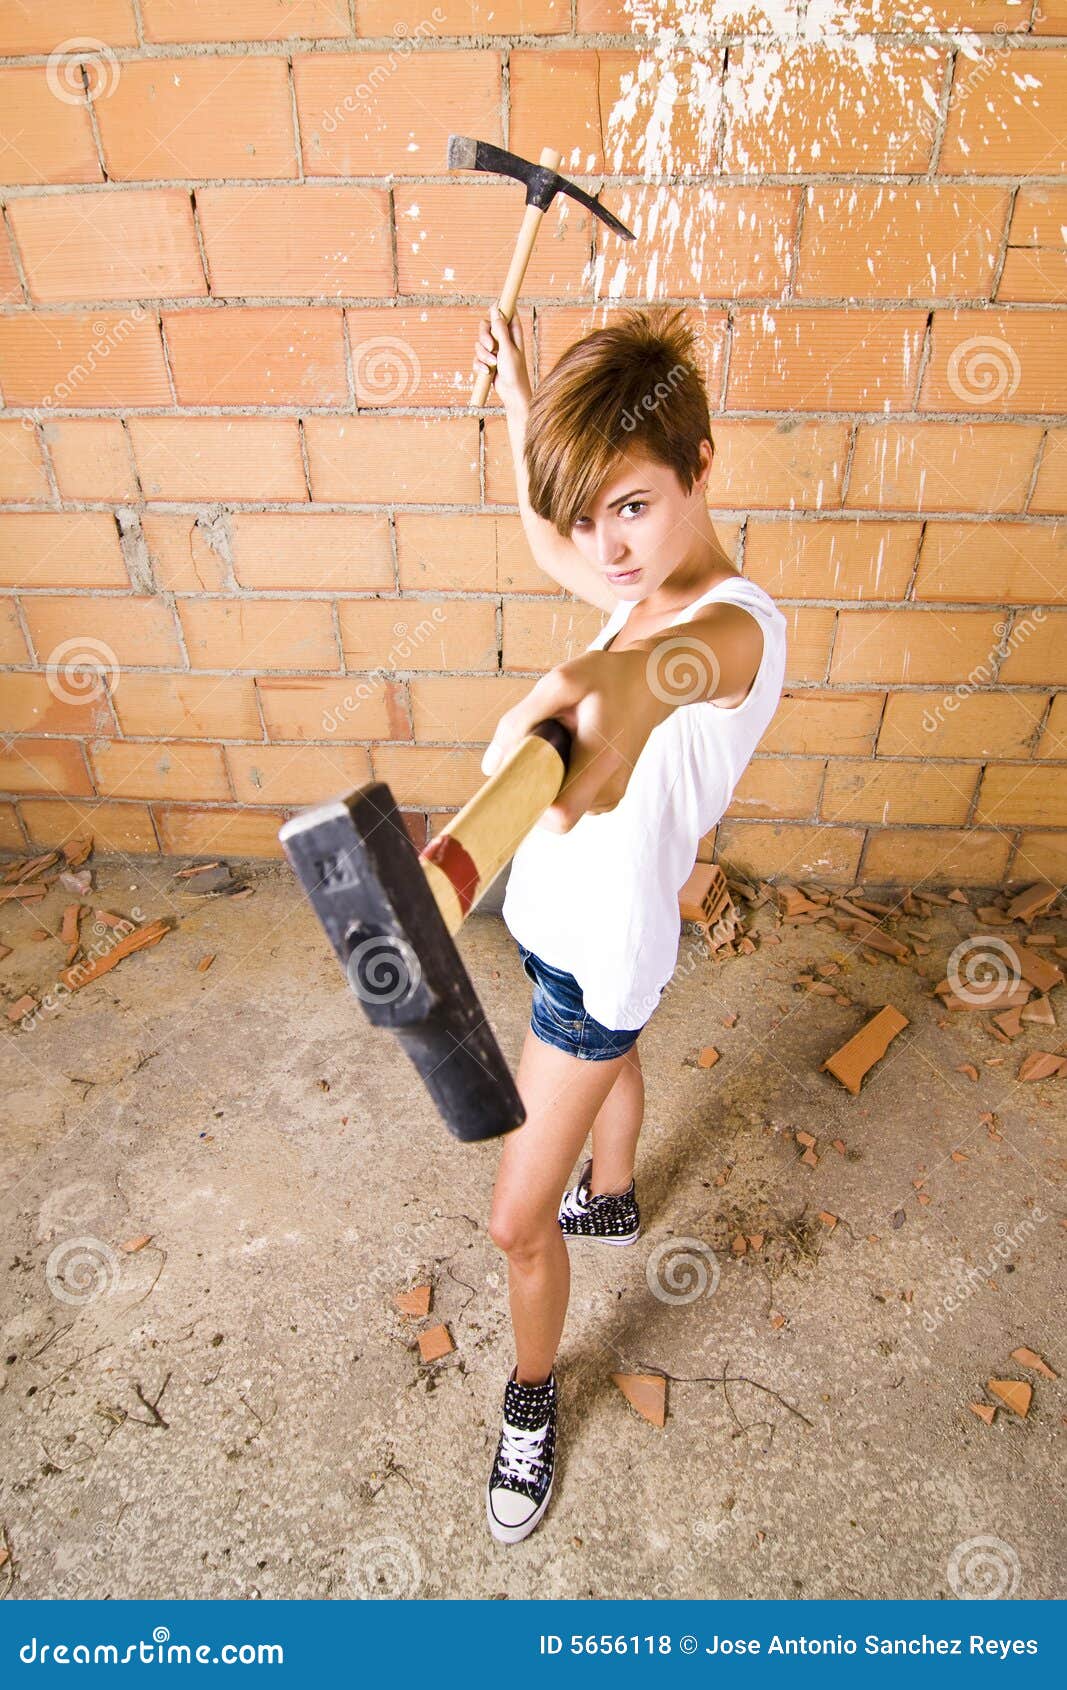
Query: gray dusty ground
[[292, 1176]]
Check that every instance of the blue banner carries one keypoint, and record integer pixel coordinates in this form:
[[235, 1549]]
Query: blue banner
[[441, 1644]]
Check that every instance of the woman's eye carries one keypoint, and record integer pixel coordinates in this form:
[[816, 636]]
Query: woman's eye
[[635, 504]]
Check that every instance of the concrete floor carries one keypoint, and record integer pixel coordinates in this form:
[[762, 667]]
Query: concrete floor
[[292, 1175]]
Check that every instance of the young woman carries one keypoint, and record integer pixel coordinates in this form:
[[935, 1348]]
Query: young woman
[[612, 457]]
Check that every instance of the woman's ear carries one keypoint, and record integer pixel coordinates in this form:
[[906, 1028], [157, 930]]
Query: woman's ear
[[707, 455]]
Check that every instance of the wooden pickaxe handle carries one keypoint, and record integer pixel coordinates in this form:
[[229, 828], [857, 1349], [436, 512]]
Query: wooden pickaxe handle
[[513, 282], [466, 856]]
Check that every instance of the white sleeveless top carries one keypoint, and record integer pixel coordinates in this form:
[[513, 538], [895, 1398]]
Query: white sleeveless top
[[601, 901]]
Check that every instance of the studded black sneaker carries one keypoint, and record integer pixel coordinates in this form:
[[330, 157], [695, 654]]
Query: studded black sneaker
[[612, 1219], [520, 1483]]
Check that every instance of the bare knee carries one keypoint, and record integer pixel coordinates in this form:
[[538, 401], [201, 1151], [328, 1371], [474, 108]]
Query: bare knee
[[520, 1234]]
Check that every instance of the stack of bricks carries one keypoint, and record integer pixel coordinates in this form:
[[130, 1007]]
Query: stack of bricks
[[255, 548]]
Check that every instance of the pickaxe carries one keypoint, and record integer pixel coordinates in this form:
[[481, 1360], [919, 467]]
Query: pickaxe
[[390, 913], [542, 185]]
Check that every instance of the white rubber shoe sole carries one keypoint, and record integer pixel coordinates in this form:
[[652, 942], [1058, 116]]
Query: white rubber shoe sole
[[515, 1534]]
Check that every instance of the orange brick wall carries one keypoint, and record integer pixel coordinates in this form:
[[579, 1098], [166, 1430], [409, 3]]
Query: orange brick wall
[[255, 548]]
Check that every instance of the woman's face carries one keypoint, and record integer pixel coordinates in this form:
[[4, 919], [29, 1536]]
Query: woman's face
[[639, 528]]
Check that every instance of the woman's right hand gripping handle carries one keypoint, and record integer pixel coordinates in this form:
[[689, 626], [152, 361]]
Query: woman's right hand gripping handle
[[500, 347]]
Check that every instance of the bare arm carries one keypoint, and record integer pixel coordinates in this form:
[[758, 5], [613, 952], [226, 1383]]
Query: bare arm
[[500, 349]]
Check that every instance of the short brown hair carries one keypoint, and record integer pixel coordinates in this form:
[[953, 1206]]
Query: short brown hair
[[605, 396]]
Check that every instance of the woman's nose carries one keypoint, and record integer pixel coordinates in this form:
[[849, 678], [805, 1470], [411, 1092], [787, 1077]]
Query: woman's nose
[[609, 548]]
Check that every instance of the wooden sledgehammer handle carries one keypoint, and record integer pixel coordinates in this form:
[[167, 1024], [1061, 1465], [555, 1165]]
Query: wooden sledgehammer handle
[[466, 856], [513, 282]]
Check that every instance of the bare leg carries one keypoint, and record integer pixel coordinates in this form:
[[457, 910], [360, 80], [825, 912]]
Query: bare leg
[[616, 1129], [561, 1095]]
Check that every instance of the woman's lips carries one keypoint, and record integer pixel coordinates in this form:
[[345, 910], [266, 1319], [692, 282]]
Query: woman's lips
[[623, 575]]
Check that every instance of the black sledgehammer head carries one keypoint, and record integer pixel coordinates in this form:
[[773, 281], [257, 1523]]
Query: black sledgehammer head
[[357, 864]]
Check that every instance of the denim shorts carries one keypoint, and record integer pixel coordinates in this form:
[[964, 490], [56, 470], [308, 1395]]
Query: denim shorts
[[559, 1017]]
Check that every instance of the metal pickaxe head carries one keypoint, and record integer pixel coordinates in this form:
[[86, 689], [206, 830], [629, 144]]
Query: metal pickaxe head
[[542, 186]]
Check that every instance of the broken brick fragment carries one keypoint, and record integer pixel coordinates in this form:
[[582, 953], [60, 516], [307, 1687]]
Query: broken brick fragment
[[1033, 902], [1040, 1012], [645, 1392], [1015, 1394], [415, 1302], [1010, 1022], [435, 1343], [868, 1046], [1042, 1065], [81, 973], [985, 1411], [1030, 1358], [76, 850]]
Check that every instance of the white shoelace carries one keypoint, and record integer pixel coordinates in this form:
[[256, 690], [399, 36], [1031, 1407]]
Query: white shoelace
[[573, 1205], [521, 1451]]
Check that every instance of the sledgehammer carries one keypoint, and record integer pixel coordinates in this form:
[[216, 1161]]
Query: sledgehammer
[[390, 912]]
